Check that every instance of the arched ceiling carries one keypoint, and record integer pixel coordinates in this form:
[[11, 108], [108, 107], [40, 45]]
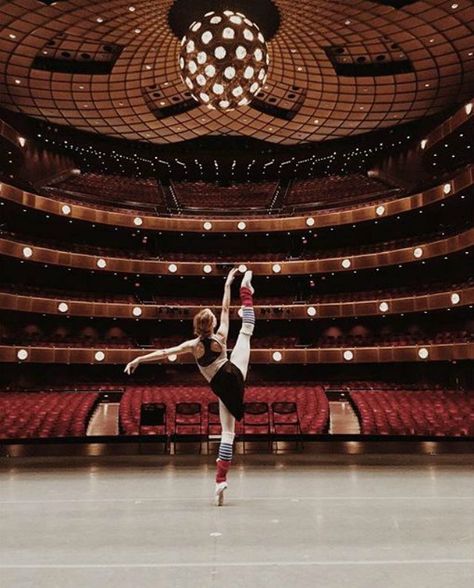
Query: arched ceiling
[[434, 37]]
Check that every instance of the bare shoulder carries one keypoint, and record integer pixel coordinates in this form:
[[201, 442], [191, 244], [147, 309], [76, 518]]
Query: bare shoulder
[[192, 343], [222, 339]]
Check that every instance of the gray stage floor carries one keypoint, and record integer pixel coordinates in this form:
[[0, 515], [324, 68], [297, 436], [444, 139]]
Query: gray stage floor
[[290, 521]]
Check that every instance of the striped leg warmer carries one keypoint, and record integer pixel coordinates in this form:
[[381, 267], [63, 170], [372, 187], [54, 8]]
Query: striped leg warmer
[[248, 316], [225, 456]]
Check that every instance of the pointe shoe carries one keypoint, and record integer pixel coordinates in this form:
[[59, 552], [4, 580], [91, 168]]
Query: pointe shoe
[[219, 493], [247, 281]]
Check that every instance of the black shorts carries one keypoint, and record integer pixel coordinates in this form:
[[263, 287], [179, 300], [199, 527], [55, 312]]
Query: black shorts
[[228, 384]]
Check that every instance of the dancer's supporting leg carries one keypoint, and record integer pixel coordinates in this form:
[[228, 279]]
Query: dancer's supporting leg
[[240, 355], [225, 451]]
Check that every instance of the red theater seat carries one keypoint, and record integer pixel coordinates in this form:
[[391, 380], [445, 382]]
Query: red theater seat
[[426, 412]]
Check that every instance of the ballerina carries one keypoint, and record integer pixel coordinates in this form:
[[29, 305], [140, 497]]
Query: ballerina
[[225, 376]]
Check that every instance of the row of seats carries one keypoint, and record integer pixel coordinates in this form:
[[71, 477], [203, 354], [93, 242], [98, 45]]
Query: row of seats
[[427, 412], [43, 415], [112, 188], [312, 409], [379, 294], [382, 409], [267, 342], [204, 195], [71, 197], [248, 257], [330, 190], [334, 189]]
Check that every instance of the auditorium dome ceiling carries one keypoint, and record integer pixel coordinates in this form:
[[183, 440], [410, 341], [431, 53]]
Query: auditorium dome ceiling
[[336, 69]]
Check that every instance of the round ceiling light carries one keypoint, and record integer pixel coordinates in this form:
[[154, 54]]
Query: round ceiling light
[[383, 306], [311, 311], [310, 221], [418, 252], [99, 356], [27, 252], [242, 268], [223, 60], [137, 311], [207, 269], [101, 263], [346, 263], [138, 221], [348, 355], [66, 209], [380, 210], [63, 307], [277, 356], [172, 268]]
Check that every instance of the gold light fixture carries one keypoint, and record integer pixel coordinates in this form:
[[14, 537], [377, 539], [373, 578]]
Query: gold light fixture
[[223, 60]]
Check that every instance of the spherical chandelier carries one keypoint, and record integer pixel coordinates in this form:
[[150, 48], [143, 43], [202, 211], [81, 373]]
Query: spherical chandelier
[[223, 60]]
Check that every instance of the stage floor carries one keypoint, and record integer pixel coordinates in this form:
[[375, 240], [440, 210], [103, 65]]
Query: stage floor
[[289, 521]]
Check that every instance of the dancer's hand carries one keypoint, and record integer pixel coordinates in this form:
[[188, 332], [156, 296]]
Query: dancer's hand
[[231, 276], [132, 366]]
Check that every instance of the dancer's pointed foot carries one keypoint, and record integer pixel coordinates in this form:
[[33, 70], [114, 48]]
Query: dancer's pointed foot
[[219, 493], [247, 281]]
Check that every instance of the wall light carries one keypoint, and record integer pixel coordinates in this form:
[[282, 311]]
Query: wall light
[[310, 221], [277, 356], [383, 306], [348, 355], [137, 221], [63, 307], [447, 188], [101, 263], [241, 226], [99, 356], [27, 252], [137, 311], [346, 263], [172, 268], [66, 209], [468, 108], [455, 298], [423, 353], [380, 210], [207, 269], [276, 268], [242, 268], [172, 357], [207, 225], [417, 252], [311, 311], [22, 354]]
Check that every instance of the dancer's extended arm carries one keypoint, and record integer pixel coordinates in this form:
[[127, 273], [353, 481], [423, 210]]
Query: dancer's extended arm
[[223, 329], [185, 347]]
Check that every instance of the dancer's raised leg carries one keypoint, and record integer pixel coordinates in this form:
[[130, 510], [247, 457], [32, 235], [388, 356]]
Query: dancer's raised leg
[[240, 355]]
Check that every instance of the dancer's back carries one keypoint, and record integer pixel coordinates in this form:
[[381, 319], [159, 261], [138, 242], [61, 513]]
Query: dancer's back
[[210, 354]]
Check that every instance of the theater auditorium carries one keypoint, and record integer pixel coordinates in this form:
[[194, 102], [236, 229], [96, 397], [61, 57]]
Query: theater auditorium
[[236, 293]]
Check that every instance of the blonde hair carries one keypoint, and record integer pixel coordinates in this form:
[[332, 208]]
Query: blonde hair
[[203, 323]]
